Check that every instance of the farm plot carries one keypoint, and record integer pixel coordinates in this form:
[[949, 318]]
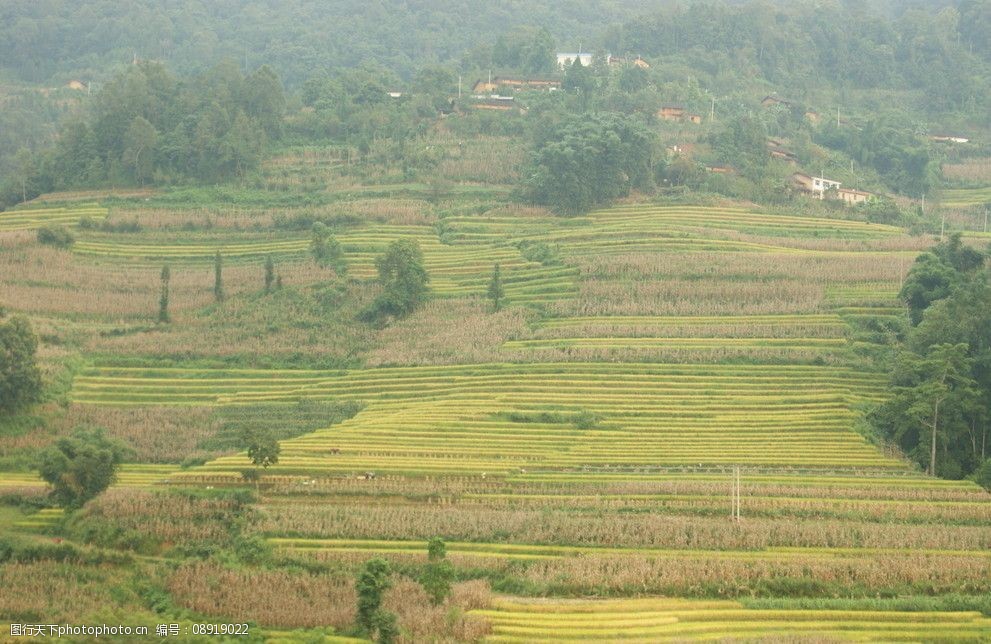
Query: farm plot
[[654, 620], [647, 228], [33, 218], [454, 270], [130, 475], [499, 419], [253, 247], [966, 197]]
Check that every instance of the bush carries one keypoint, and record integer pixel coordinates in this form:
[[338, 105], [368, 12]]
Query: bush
[[55, 236]]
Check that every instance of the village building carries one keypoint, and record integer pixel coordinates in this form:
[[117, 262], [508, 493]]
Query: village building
[[853, 197], [777, 151], [567, 59], [494, 102], [678, 113], [516, 84], [771, 100], [816, 186], [946, 138], [822, 188], [77, 85], [720, 169], [614, 61]]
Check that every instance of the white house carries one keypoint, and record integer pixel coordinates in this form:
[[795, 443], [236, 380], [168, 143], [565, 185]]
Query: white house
[[814, 185], [567, 59]]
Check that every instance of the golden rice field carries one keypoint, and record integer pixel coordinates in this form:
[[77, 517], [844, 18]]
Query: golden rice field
[[660, 620], [33, 218]]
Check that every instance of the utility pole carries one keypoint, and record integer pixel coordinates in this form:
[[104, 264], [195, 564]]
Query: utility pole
[[837, 116], [459, 87], [942, 226], [985, 219], [712, 110]]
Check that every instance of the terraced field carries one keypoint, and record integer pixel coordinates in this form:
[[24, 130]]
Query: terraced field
[[256, 248], [659, 620], [662, 349], [487, 418], [130, 475], [454, 270], [966, 197], [33, 218]]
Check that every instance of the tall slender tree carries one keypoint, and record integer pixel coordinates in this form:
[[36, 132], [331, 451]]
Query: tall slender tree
[[163, 302], [218, 277], [495, 289], [269, 273]]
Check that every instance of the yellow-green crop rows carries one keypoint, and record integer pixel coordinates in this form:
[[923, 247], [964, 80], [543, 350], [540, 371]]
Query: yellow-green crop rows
[[130, 475], [33, 218], [649, 228], [254, 247], [966, 197], [453, 420], [659, 620]]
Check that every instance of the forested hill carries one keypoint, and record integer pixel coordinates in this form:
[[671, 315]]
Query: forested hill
[[807, 47], [44, 40]]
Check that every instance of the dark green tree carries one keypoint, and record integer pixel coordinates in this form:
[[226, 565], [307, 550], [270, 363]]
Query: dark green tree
[[269, 273], [163, 300], [20, 378], [404, 280], [81, 466], [588, 161], [218, 277], [942, 379], [262, 447], [495, 291], [326, 250], [373, 581], [24, 170], [929, 279], [138, 157], [439, 573]]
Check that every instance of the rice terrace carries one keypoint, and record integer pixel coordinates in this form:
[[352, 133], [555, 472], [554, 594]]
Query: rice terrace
[[496, 343]]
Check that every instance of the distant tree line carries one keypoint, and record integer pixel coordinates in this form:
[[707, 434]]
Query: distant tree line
[[148, 126]]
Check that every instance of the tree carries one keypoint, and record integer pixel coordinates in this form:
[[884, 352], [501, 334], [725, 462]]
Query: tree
[[138, 157], [439, 573], [373, 581], [495, 291], [589, 160], [163, 301], [269, 273], [20, 378], [326, 250], [262, 447], [942, 385], [403, 278], [218, 278], [928, 280], [24, 169], [81, 466]]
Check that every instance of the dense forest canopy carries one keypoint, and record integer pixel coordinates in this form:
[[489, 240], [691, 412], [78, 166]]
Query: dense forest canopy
[[897, 70]]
